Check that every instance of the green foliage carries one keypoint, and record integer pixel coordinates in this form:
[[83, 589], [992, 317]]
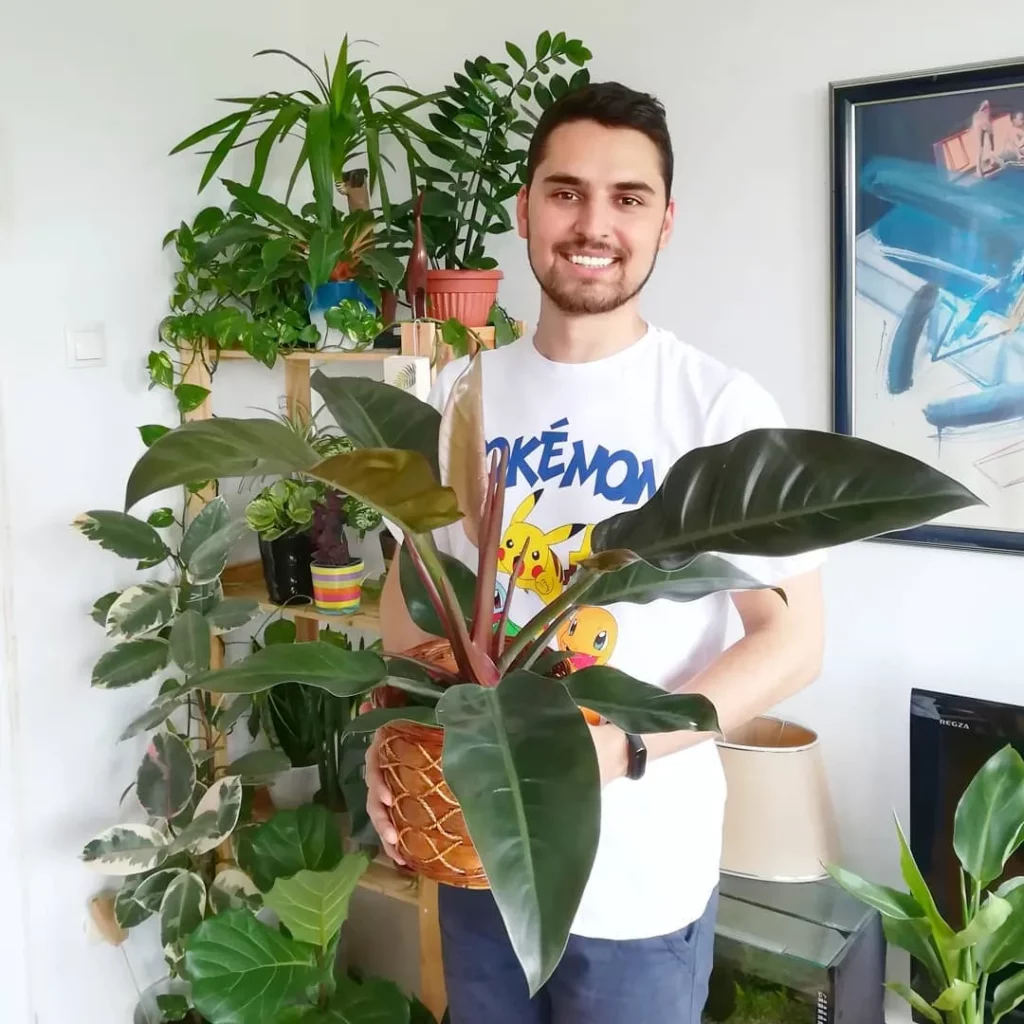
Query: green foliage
[[283, 508], [478, 134], [962, 956]]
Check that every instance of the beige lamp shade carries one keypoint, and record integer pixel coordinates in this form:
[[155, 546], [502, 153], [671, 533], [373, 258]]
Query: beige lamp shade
[[779, 820]]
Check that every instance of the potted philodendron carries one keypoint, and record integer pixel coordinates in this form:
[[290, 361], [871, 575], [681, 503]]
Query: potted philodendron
[[971, 954], [482, 719], [478, 130]]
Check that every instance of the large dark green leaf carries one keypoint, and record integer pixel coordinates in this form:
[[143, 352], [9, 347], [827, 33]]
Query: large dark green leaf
[[989, 821], [314, 663], [639, 707], [325, 249], [520, 760], [243, 972], [461, 577], [779, 491], [217, 448], [640, 583], [304, 838], [123, 534], [396, 482], [166, 776], [371, 721], [377, 415]]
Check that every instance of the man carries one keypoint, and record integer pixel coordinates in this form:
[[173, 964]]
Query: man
[[595, 405]]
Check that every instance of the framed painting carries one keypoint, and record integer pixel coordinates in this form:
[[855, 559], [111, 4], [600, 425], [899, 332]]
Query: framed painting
[[928, 283]]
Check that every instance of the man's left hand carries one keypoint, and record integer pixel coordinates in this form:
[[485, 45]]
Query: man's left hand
[[612, 751]]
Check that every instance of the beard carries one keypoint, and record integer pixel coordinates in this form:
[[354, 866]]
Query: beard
[[576, 296]]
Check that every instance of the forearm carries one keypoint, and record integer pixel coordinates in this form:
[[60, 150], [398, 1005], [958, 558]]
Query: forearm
[[759, 671]]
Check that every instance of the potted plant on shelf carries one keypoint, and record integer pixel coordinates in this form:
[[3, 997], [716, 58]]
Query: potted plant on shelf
[[282, 515], [337, 575], [498, 716], [344, 117], [969, 953], [475, 128]]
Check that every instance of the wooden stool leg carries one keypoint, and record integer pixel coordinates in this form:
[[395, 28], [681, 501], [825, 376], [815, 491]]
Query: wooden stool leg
[[432, 990]]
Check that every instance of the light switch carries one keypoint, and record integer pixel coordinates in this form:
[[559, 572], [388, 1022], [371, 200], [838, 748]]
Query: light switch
[[86, 346]]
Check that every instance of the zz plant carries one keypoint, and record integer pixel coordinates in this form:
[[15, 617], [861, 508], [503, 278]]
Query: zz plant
[[972, 957], [518, 755]]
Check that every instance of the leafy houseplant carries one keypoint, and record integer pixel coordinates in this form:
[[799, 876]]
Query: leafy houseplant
[[513, 752], [475, 133], [282, 515], [337, 575], [967, 957], [343, 118]]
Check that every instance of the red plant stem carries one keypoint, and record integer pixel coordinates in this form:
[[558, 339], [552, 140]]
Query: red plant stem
[[487, 563], [442, 674], [429, 585], [499, 644], [474, 663]]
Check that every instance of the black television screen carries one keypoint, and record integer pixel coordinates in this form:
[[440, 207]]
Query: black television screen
[[951, 737]]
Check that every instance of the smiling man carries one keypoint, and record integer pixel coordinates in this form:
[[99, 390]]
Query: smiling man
[[594, 406]]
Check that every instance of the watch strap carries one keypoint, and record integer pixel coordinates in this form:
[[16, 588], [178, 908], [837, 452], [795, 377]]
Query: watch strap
[[637, 762]]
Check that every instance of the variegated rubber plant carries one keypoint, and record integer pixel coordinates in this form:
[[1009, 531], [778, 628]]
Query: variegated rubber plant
[[210, 856], [518, 754]]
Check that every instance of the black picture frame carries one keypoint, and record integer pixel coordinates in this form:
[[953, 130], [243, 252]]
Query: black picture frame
[[902, 218]]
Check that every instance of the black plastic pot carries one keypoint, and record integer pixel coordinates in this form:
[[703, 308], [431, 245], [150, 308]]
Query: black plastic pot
[[388, 545], [286, 568]]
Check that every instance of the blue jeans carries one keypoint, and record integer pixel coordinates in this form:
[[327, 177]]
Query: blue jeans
[[661, 980]]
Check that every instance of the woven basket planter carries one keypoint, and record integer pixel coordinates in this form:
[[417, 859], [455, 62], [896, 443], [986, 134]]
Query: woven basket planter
[[432, 835]]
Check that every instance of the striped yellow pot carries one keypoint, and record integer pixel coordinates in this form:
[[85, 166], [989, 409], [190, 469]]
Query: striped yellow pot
[[337, 588]]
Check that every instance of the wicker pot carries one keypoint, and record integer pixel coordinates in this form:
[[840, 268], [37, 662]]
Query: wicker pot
[[432, 835]]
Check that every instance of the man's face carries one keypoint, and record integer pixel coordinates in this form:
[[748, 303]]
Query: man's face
[[595, 217]]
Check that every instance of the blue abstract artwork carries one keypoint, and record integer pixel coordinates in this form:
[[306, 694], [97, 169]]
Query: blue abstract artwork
[[929, 189]]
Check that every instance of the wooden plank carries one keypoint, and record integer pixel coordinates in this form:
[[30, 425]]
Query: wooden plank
[[298, 395], [371, 355], [432, 987]]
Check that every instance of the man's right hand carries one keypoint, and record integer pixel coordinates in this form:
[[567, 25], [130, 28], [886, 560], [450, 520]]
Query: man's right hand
[[378, 800]]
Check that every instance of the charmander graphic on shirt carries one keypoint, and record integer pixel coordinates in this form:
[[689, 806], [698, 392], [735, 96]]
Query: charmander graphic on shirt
[[589, 636]]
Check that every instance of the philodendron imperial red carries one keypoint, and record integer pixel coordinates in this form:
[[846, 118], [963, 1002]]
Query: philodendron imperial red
[[517, 752]]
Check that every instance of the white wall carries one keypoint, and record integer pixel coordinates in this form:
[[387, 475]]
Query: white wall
[[87, 191]]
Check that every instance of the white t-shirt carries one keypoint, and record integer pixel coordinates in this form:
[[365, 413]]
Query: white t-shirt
[[589, 440]]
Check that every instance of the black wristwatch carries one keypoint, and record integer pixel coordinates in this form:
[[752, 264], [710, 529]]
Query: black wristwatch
[[637, 764]]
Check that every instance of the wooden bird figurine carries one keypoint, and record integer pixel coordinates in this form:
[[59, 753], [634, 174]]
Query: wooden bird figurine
[[416, 268]]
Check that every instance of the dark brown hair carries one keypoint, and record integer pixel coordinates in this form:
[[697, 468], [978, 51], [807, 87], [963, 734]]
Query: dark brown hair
[[610, 104]]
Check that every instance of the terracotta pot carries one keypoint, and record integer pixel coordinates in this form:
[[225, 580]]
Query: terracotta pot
[[432, 835], [467, 295]]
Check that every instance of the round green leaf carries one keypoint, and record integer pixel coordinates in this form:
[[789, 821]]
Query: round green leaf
[[243, 972]]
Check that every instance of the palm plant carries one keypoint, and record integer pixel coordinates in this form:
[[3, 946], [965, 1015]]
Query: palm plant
[[517, 752]]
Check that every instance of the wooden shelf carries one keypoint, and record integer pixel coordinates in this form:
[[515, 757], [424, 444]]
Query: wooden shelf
[[246, 580], [385, 878], [369, 355]]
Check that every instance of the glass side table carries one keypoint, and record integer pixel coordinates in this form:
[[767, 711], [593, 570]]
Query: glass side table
[[795, 953]]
